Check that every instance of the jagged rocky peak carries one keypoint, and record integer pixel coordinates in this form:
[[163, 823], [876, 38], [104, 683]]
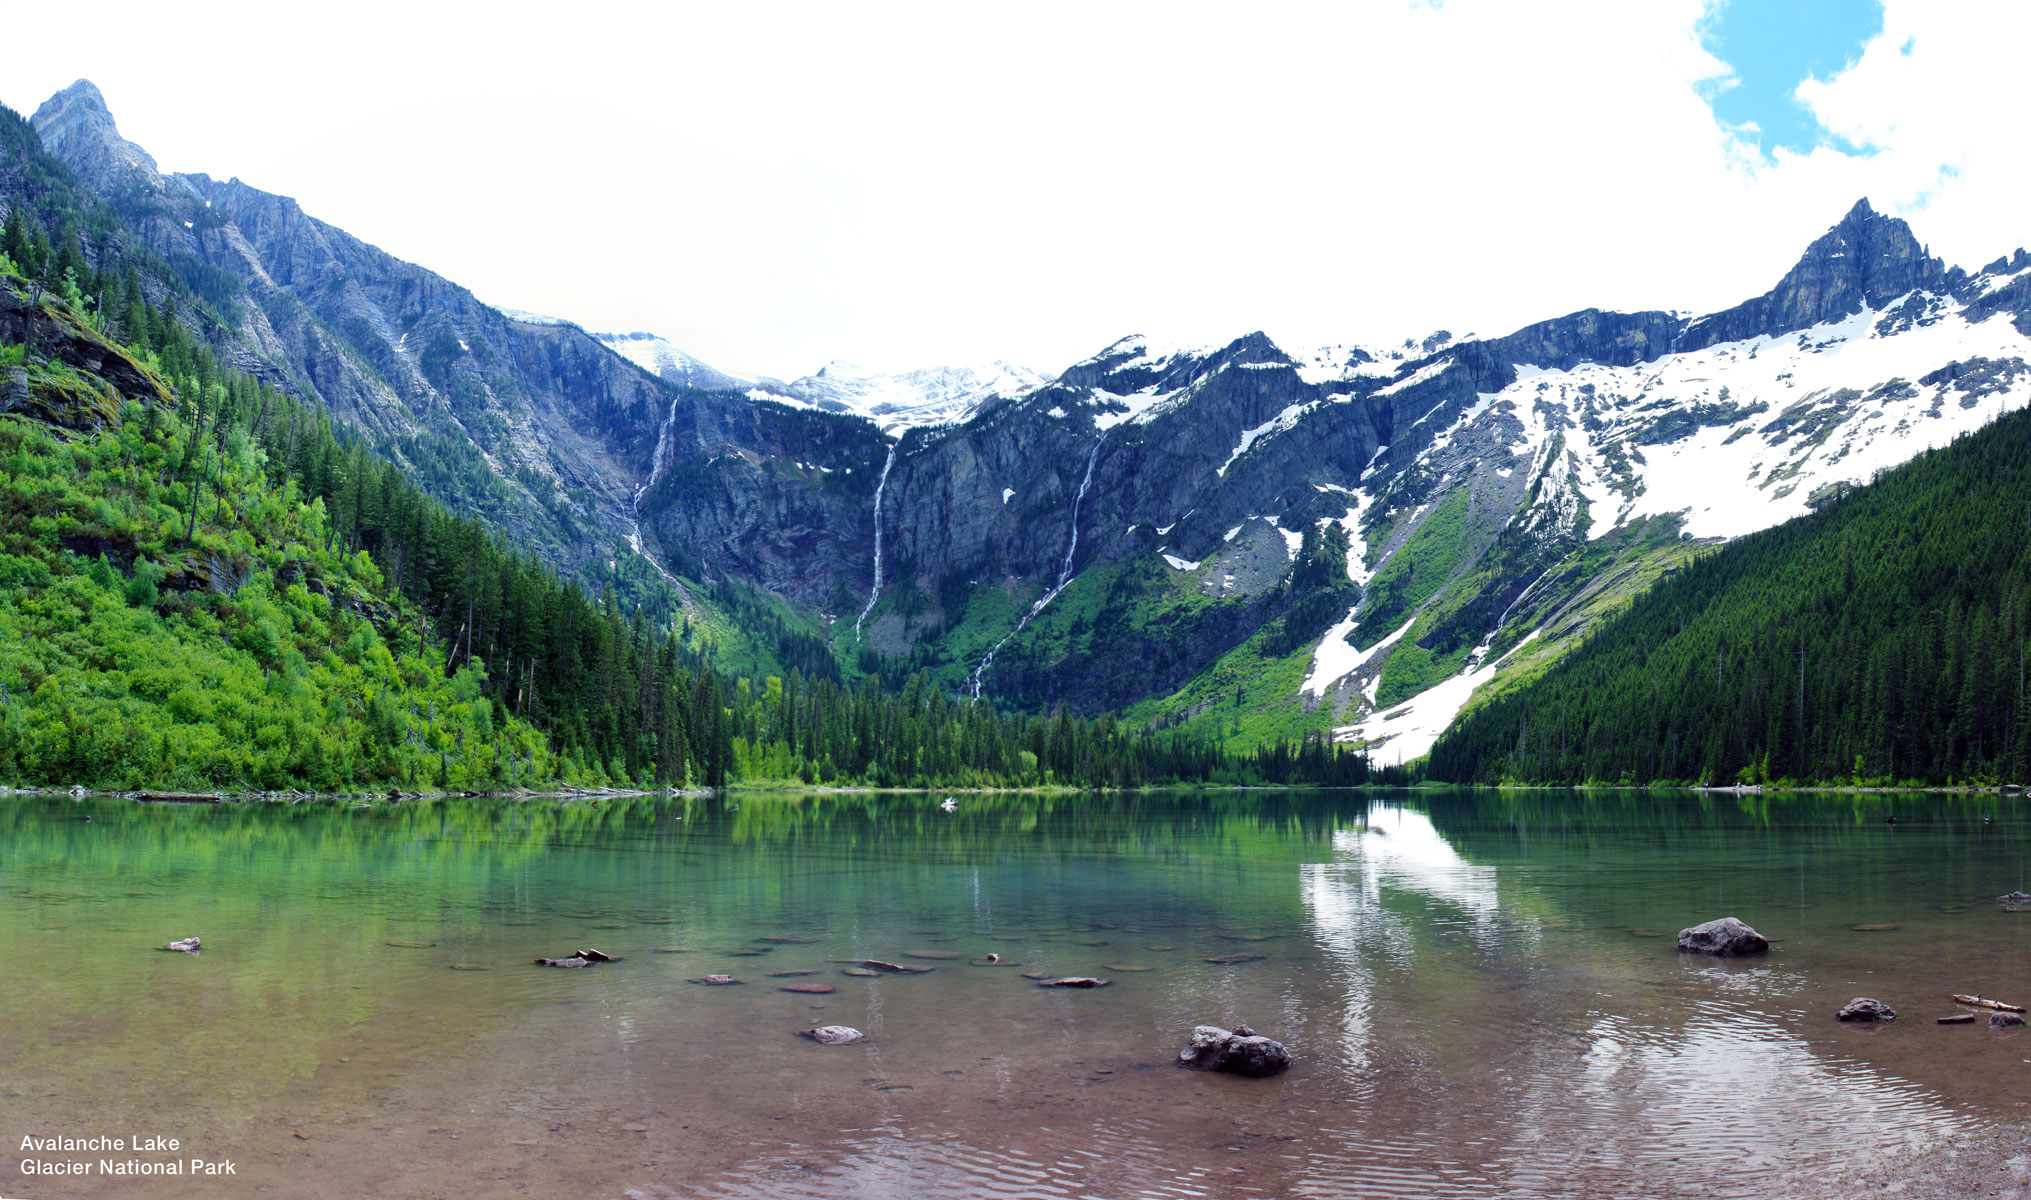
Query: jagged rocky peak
[[77, 127], [1867, 259], [1138, 363]]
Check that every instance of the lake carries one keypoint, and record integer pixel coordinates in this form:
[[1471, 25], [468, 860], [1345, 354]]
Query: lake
[[1482, 992]]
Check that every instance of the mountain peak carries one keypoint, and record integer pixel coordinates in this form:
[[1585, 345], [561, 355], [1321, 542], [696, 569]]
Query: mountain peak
[[77, 127], [1867, 259]]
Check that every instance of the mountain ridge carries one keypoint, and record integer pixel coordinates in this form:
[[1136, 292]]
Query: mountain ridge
[[1495, 495]]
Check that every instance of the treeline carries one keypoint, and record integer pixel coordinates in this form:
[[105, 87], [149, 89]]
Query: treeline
[[610, 694], [1881, 640], [244, 509], [819, 731]]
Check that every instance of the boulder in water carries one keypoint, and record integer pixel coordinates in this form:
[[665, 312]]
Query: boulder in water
[[2015, 898], [1726, 938], [833, 1035], [2003, 1020], [1866, 1008], [1239, 1051], [572, 961], [189, 945]]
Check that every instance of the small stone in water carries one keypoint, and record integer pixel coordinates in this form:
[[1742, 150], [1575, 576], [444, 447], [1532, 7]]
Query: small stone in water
[[1228, 960], [673, 949], [809, 989], [1113, 967], [1074, 981], [860, 972], [833, 1035], [789, 974], [715, 980]]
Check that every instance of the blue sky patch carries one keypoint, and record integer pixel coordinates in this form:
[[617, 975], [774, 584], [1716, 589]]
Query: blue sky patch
[[1775, 45]]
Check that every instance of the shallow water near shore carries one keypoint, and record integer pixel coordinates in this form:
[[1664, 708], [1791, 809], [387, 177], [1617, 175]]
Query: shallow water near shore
[[1482, 992]]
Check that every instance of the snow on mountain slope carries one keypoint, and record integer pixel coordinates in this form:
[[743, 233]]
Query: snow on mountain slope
[[658, 357], [1732, 438], [931, 396], [1744, 435]]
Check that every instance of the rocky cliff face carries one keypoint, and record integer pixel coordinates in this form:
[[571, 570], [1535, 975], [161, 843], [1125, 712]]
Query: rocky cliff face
[[1154, 526]]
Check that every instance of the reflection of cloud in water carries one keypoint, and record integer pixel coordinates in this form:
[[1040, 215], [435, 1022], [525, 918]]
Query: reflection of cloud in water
[[1725, 1088], [1400, 851], [1718, 1098]]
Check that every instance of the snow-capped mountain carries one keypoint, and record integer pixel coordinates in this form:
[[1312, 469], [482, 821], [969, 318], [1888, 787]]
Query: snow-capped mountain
[[931, 396], [1160, 508]]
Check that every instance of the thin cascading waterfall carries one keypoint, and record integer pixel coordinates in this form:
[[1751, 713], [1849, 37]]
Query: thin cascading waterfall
[[874, 593], [974, 683], [656, 466], [662, 453]]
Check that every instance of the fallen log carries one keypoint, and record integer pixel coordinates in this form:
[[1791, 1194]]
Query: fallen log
[[1958, 1019], [1978, 1002]]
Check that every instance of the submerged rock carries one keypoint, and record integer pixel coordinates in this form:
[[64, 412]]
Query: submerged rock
[[715, 980], [833, 1035], [808, 989], [1228, 960], [2003, 1020], [1726, 937], [1075, 981], [577, 958], [1239, 1051], [1866, 1008], [889, 968]]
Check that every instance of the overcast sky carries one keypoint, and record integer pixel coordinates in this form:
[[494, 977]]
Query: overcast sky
[[775, 186]]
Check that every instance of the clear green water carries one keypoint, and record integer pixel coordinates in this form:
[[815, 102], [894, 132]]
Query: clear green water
[[1483, 993]]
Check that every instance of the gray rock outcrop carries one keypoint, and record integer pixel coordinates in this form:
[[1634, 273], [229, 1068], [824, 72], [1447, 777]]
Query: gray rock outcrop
[[1866, 1008], [1238, 1051], [1725, 938]]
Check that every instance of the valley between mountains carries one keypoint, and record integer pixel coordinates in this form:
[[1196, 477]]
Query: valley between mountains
[[1245, 542]]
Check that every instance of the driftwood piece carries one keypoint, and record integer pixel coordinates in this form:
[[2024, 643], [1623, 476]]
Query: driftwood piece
[[1979, 1002], [1958, 1019]]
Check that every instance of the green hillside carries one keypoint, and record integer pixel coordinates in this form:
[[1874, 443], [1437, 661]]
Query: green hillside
[[1879, 640]]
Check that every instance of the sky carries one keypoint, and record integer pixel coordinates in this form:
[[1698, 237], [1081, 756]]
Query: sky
[[902, 185]]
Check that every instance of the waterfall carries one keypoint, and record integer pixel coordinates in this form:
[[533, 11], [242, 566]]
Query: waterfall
[[656, 465], [973, 683], [662, 453], [874, 593]]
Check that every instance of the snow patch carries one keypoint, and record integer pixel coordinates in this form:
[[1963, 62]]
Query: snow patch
[[1413, 727]]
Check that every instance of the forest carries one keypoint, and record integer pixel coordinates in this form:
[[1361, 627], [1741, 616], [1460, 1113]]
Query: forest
[[1879, 641], [206, 583]]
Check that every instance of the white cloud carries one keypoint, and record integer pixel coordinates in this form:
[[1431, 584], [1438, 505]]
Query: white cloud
[[775, 187]]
